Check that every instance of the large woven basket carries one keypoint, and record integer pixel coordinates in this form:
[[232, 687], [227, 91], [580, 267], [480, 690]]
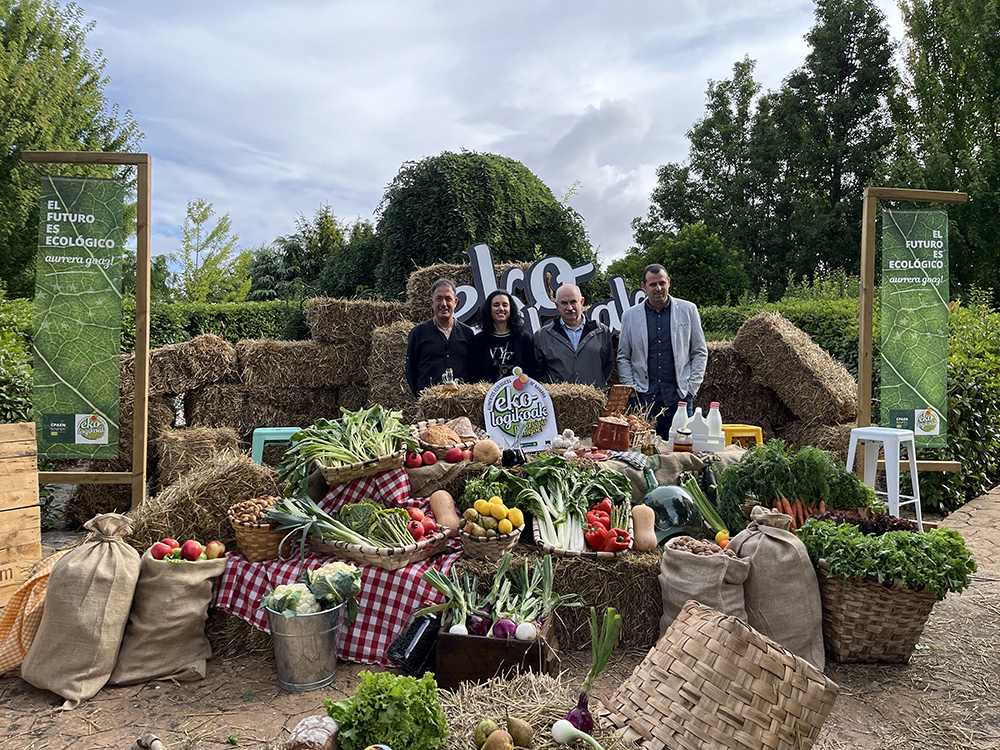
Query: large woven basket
[[439, 450], [338, 474], [866, 621], [490, 548], [548, 549], [257, 541], [713, 682], [387, 558]]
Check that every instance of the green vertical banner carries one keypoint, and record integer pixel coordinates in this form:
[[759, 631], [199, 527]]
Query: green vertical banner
[[915, 324], [78, 316]]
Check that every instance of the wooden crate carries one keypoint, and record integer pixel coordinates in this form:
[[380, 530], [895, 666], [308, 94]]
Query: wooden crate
[[20, 515], [475, 658]]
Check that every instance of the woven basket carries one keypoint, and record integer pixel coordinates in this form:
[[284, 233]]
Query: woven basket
[[713, 682], [387, 558], [550, 550], [439, 450], [338, 474], [867, 622], [257, 541], [490, 548]]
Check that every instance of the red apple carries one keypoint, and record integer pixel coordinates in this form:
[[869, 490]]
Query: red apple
[[415, 514], [215, 549], [468, 455], [416, 530], [172, 543], [429, 457], [159, 550], [414, 461], [429, 526], [454, 455], [191, 549]]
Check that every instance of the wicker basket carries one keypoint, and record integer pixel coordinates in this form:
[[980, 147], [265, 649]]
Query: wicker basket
[[713, 682], [257, 541], [490, 548], [338, 474], [439, 450], [548, 549], [867, 622], [387, 558]]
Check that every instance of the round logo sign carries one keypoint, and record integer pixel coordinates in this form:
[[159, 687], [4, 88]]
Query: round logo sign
[[92, 428], [927, 421]]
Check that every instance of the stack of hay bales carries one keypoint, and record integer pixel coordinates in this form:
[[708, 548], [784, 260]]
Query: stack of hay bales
[[775, 376], [386, 370], [418, 286]]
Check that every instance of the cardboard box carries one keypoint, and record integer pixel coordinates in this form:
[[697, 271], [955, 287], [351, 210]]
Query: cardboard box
[[20, 515], [476, 658]]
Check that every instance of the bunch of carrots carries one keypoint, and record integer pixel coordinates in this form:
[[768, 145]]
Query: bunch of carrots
[[798, 510]]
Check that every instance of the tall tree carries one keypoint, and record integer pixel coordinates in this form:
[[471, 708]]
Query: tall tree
[[437, 207], [211, 268], [953, 58], [51, 99]]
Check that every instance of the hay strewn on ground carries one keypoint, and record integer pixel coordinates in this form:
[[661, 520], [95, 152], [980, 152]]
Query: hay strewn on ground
[[350, 322], [230, 636], [265, 363], [386, 370], [742, 398], [196, 507], [177, 368], [835, 438], [811, 383], [245, 408], [88, 500], [183, 450], [628, 584], [418, 286]]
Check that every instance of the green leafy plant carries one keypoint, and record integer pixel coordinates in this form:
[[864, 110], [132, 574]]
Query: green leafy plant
[[935, 560], [15, 380], [395, 710]]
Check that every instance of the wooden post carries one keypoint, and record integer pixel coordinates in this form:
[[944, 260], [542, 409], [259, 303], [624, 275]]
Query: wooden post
[[137, 477], [20, 514]]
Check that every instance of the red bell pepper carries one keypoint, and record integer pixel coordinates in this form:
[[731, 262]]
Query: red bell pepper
[[606, 505], [595, 536], [599, 517], [615, 541]]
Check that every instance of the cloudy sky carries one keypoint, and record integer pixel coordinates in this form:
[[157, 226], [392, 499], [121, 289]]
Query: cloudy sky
[[269, 110]]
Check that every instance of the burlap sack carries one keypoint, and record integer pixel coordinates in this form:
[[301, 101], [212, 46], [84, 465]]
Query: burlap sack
[[781, 593], [86, 609], [713, 580], [165, 637]]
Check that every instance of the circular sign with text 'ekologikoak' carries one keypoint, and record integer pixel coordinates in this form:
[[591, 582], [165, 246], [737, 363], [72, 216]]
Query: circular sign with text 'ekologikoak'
[[515, 401]]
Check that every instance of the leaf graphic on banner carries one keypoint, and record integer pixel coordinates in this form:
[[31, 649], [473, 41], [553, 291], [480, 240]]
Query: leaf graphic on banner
[[78, 307]]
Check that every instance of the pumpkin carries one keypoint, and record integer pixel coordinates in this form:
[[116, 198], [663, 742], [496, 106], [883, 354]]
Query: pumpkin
[[487, 451], [643, 528]]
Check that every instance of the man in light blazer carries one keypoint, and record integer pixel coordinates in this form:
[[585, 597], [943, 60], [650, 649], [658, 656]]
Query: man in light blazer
[[661, 349]]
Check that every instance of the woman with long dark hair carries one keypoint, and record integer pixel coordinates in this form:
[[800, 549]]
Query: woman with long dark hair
[[503, 343]]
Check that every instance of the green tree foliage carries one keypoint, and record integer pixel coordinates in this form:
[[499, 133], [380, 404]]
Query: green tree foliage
[[437, 207], [51, 99], [953, 58], [352, 272], [161, 278], [211, 269]]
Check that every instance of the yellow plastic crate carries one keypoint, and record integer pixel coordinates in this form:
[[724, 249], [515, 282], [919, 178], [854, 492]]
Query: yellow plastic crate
[[741, 434]]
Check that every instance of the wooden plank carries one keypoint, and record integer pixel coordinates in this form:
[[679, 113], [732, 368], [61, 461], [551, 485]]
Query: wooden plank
[[11, 469], [18, 466], [925, 465], [20, 548], [85, 477], [909, 194], [140, 409], [19, 497], [22, 431], [83, 157]]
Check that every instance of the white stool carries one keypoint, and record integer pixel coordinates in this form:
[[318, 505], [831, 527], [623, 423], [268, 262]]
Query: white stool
[[891, 439]]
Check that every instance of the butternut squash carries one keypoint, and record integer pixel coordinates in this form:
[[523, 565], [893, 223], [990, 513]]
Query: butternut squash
[[445, 514], [643, 528]]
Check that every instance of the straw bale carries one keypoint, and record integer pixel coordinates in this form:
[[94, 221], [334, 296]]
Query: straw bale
[[576, 406], [418, 286], [160, 416], [230, 636], [468, 402], [835, 438], [386, 370], [89, 500], [195, 507], [354, 397], [813, 385], [629, 584], [177, 368], [743, 398], [245, 408], [350, 322], [266, 363], [181, 451]]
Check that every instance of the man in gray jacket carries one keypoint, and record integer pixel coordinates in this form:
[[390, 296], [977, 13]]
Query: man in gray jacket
[[661, 350], [571, 348]]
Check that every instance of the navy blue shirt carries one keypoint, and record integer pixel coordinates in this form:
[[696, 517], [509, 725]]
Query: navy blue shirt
[[662, 374]]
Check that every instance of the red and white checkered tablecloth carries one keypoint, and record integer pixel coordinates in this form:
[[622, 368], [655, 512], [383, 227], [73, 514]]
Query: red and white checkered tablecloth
[[388, 597]]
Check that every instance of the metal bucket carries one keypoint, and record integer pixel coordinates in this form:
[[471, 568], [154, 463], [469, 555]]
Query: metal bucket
[[306, 647]]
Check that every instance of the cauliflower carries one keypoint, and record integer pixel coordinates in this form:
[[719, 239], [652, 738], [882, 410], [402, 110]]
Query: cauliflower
[[335, 583], [291, 599]]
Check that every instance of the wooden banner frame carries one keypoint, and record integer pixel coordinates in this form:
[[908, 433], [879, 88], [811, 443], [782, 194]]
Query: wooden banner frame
[[140, 417]]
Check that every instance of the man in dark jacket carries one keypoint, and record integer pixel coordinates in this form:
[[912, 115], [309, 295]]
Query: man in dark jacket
[[571, 348], [440, 343]]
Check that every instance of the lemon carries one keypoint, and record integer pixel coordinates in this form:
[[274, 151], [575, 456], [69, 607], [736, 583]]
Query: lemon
[[516, 517], [496, 500], [505, 526], [498, 511], [720, 536], [482, 506]]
